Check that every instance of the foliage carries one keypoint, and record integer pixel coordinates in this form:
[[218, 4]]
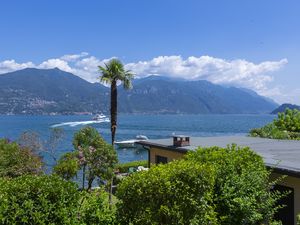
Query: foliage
[[95, 209], [175, 193], [96, 156], [286, 126], [123, 167], [242, 189], [67, 166], [289, 120], [51, 200], [270, 131], [38, 200], [16, 160], [209, 186], [114, 70]]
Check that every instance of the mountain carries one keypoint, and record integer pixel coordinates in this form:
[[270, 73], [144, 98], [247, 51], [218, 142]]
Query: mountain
[[164, 95], [284, 106], [36, 91]]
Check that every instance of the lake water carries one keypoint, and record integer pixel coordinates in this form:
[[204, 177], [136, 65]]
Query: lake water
[[153, 126]]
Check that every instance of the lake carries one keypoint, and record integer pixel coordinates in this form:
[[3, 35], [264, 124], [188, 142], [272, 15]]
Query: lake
[[153, 126]]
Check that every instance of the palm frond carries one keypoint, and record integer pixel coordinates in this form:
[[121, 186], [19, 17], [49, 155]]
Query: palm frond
[[114, 71]]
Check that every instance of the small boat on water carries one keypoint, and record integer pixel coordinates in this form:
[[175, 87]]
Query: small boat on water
[[100, 116], [131, 143]]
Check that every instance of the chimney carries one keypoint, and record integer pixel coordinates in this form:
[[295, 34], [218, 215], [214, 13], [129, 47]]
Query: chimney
[[181, 140]]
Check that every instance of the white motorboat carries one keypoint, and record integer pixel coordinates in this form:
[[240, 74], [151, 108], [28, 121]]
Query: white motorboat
[[130, 143], [100, 116]]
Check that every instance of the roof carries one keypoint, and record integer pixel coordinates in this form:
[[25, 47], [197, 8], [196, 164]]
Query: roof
[[180, 136], [283, 155]]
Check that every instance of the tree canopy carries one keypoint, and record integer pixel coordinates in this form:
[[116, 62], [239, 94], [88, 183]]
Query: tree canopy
[[242, 190], [38, 200], [48, 199], [285, 126], [17, 160], [209, 186], [175, 193], [114, 71], [96, 157]]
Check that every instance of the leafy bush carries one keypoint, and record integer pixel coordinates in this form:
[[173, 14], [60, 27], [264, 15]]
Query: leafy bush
[[289, 120], [95, 209], [123, 167], [175, 193], [67, 166], [209, 186], [242, 189], [16, 160], [286, 126], [38, 200], [270, 131]]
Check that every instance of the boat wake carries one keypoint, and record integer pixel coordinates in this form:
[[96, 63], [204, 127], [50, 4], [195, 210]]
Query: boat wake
[[82, 123]]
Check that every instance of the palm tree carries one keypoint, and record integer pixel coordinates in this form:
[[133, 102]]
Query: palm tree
[[112, 73]]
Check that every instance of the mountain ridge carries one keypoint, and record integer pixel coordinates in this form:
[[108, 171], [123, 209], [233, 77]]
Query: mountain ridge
[[52, 91], [284, 106]]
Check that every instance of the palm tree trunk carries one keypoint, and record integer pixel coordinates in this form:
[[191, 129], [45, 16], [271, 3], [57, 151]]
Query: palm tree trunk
[[113, 110], [113, 122]]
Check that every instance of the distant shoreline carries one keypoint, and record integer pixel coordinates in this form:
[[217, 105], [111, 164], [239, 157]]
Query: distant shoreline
[[150, 113]]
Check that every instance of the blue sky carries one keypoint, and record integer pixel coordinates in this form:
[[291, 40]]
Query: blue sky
[[250, 43]]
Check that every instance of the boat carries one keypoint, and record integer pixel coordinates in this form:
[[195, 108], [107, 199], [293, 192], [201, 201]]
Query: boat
[[131, 143], [100, 116]]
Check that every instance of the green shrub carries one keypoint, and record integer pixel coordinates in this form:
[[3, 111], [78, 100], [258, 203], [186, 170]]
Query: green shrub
[[38, 200], [288, 120], [67, 166], [221, 186], [294, 135], [270, 131], [175, 193], [123, 167], [16, 161], [242, 189], [95, 209], [286, 126]]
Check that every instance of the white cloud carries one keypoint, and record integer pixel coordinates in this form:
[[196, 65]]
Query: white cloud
[[283, 94], [82, 65], [74, 57], [11, 65], [235, 72], [239, 72], [55, 63]]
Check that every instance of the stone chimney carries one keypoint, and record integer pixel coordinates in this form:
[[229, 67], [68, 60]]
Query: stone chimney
[[181, 140]]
